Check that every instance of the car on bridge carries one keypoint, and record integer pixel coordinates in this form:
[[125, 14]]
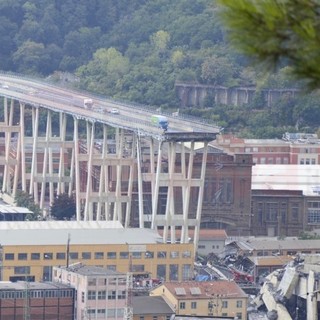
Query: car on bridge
[[114, 111]]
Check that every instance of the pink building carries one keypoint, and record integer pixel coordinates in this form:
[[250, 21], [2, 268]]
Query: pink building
[[101, 293]]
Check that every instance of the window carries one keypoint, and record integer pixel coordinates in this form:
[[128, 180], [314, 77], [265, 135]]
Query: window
[[186, 272], [101, 311], [122, 294], [60, 256], [201, 246], [111, 255], [193, 305], [174, 254], [47, 256], [224, 304], [295, 211], [102, 295], [154, 318], [86, 255], [141, 318], [111, 313], [22, 256], [91, 295], [111, 295], [182, 305], [9, 256], [112, 267], [186, 254], [136, 255], [239, 303], [22, 270], [239, 315], [162, 254], [138, 268], [149, 255], [161, 271], [98, 255], [173, 276], [35, 256], [73, 255], [124, 255], [82, 296]]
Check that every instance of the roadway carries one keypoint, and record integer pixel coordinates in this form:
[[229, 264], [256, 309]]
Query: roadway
[[131, 117]]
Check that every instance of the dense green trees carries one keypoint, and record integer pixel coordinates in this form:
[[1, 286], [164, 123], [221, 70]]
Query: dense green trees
[[137, 49], [276, 32], [63, 207]]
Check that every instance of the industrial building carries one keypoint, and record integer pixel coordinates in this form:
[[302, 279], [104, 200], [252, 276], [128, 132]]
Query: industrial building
[[30, 250], [36, 300]]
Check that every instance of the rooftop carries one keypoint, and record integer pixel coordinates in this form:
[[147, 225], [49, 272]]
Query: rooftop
[[287, 177], [276, 244], [85, 270], [21, 285], [45, 235], [146, 305], [191, 290]]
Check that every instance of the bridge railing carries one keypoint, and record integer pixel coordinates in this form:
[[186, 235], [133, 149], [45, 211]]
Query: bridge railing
[[120, 102]]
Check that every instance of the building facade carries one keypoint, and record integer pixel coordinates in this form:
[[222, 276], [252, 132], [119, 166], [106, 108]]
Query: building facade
[[285, 199], [36, 300], [209, 298], [294, 148], [30, 250], [101, 293]]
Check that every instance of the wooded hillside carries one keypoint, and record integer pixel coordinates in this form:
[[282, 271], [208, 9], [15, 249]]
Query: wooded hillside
[[136, 50]]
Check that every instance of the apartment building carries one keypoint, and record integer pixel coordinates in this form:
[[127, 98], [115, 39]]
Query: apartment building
[[209, 298], [293, 148], [30, 249], [36, 300], [101, 293]]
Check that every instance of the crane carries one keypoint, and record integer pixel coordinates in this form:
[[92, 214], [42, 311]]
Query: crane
[[128, 311]]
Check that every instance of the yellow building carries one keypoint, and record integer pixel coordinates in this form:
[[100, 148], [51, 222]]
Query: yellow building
[[30, 249], [215, 298]]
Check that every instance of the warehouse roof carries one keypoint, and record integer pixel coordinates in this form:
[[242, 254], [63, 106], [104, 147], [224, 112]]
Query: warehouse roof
[[287, 177], [38, 225], [78, 236]]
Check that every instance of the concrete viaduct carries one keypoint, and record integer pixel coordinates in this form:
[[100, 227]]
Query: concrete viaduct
[[101, 161]]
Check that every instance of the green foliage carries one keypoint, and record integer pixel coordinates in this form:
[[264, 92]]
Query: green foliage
[[63, 207], [25, 200], [136, 50], [276, 32]]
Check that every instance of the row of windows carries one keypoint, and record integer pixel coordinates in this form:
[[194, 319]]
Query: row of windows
[[103, 294], [37, 294], [99, 255], [224, 304], [111, 313], [307, 161]]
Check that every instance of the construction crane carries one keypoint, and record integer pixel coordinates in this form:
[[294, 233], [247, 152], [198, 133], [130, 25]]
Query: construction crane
[[128, 311]]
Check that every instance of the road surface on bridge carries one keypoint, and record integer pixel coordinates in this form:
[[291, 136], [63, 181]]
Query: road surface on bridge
[[132, 117]]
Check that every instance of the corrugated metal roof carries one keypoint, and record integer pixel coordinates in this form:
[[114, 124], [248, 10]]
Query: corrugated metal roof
[[91, 236], [6, 208], [272, 244], [287, 177], [20, 225]]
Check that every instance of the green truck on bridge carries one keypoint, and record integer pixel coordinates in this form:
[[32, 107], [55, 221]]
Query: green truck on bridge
[[160, 121]]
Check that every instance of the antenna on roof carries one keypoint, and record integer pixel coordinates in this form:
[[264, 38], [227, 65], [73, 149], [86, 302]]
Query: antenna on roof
[[68, 249]]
